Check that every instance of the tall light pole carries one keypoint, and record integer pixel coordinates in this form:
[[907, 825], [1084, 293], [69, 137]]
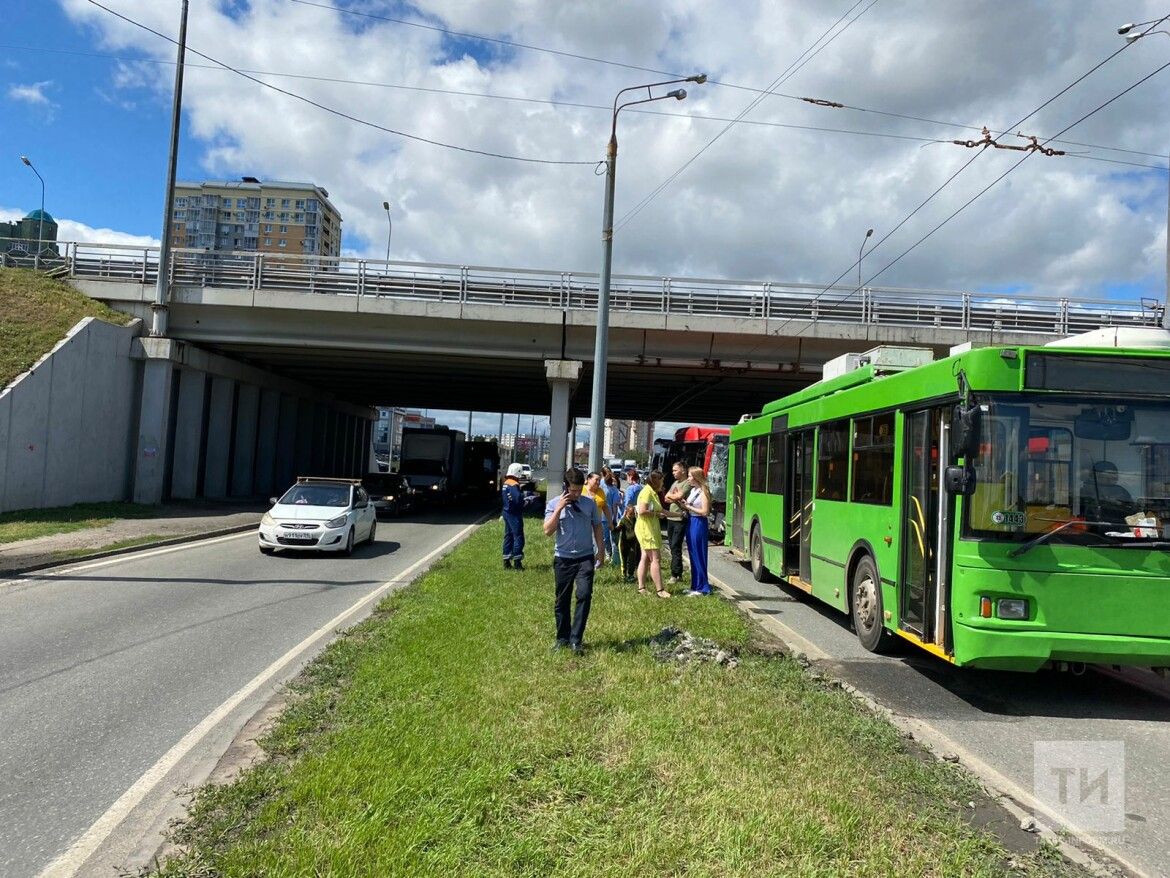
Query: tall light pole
[[158, 319], [389, 231], [601, 340], [860, 253], [41, 225], [1131, 35]]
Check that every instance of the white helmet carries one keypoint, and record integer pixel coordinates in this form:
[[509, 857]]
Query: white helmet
[[515, 469]]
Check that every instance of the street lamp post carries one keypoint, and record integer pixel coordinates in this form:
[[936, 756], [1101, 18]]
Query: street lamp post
[[1132, 35], [860, 253], [41, 224], [601, 340], [389, 231]]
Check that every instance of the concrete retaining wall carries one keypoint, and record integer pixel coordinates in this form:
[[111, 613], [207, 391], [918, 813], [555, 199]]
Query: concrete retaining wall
[[67, 426], [110, 414]]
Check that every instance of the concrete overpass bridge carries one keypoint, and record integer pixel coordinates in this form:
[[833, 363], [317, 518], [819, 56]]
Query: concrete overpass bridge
[[368, 332], [470, 337]]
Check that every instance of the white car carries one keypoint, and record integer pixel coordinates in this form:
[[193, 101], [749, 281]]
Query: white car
[[319, 515], [525, 472]]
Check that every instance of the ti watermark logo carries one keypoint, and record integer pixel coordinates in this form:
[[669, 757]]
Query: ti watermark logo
[[1082, 782]]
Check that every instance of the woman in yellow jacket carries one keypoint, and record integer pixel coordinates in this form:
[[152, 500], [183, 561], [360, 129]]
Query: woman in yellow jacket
[[649, 533]]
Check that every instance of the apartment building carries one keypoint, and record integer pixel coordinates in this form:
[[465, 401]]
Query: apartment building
[[276, 217]]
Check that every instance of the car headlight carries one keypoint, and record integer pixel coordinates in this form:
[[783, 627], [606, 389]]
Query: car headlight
[[389, 498], [337, 522], [434, 487], [267, 520]]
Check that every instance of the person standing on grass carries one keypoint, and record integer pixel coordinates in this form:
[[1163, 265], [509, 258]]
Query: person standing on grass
[[649, 531], [595, 489], [512, 503], [676, 519], [627, 541], [579, 550], [698, 506], [613, 500]]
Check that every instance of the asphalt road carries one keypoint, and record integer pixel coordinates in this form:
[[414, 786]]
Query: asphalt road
[[998, 718], [110, 667]]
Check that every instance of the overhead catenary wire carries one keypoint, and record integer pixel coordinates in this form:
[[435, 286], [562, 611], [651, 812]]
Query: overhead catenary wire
[[453, 92], [802, 59], [710, 81], [951, 179], [333, 110]]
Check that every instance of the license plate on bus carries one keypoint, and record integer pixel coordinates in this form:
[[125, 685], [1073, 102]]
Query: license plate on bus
[[296, 535]]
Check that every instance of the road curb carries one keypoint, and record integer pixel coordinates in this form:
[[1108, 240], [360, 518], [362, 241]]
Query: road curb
[[1096, 858], [128, 550]]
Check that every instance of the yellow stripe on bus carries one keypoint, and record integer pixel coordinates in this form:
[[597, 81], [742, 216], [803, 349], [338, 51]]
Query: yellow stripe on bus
[[932, 648]]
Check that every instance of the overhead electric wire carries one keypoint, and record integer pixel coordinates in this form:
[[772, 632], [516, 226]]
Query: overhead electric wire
[[333, 110], [951, 178], [710, 81], [452, 92], [811, 52], [1025, 157]]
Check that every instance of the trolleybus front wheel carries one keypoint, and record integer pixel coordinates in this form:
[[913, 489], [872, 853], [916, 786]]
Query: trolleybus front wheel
[[866, 607]]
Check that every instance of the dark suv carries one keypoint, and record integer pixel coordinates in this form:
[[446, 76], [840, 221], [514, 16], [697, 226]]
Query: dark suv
[[390, 493]]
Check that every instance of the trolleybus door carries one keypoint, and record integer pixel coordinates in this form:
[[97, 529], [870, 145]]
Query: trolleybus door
[[738, 484], [924, 529], [798, 507]]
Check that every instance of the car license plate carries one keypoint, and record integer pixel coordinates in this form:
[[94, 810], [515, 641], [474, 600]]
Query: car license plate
[[296, 535]]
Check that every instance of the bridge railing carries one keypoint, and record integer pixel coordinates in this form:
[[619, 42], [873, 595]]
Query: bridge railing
[[634, 294]]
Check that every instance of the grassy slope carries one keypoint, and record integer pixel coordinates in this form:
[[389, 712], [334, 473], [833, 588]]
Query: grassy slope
[[35, 314], [441, 737]]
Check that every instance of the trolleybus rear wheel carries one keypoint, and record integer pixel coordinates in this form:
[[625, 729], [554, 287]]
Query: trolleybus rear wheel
[[756, 553]]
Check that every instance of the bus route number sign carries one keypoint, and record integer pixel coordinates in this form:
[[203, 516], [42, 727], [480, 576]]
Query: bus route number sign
[[1010, 519]]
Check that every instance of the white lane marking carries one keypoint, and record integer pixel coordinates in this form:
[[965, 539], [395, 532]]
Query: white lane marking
[[69, 863], [64, 572], [941, 743]]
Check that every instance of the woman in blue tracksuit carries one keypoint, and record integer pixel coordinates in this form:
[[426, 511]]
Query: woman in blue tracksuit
[[512, 501], [698, 506]]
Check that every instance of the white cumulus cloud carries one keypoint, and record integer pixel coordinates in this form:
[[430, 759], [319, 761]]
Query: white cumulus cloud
[[33, 93]]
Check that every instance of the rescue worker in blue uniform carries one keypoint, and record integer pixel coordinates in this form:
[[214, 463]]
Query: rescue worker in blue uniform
[[513, 514]]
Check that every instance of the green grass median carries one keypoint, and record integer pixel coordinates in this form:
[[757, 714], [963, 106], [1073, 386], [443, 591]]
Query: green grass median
[[25, 524], [442, 737]]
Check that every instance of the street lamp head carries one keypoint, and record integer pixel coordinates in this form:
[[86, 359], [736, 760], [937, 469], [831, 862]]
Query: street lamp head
[[1126, 28], [24, 159], [699, 78], [678, 93], [868, 232], [386, 205], [1134, 37]]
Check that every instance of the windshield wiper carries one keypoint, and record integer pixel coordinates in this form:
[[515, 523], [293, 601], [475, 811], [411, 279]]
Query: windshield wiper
[[1048, 534]]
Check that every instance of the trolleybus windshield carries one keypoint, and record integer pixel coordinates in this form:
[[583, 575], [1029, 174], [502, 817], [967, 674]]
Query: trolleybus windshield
[[1091, 472]]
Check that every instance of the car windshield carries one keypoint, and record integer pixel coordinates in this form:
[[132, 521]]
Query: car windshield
[[317, 495], [1099, 471], [422, 467]]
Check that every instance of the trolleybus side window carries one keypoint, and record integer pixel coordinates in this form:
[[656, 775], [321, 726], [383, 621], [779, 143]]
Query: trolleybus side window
[[832, 460], [759, 467], [776, 464], [873, 460]]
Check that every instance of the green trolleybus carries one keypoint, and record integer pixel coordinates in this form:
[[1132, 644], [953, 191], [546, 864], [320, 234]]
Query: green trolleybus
[[1006, 507]]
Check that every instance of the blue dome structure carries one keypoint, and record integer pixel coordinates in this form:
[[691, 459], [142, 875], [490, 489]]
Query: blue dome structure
[[39, 215]]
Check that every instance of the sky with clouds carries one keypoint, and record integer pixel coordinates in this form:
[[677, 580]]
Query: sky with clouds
[[786, 194]]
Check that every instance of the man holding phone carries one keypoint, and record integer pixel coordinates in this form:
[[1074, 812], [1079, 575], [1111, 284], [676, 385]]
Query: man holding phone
[[579, 551]]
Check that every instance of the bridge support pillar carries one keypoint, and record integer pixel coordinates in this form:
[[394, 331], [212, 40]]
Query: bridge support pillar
[[150, 455], [562, 378], [188, 434]]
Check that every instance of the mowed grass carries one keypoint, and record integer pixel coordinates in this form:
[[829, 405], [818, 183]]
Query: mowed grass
[[25, 524], [35, 313], [443, 738]]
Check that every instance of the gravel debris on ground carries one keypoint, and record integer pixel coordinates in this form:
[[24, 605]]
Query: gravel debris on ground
[[683, 647]]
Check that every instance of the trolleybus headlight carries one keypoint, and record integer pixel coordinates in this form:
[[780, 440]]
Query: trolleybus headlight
[[1012, 608]]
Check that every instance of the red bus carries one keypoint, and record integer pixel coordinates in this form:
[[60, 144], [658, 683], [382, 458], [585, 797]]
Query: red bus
[[704, 447]]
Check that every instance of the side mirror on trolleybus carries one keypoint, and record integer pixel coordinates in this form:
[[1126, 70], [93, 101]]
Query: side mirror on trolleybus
[[959, 480], [965, 431]]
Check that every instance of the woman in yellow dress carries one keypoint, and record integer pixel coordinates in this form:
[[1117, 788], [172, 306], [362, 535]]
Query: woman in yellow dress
[[649, 533]]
